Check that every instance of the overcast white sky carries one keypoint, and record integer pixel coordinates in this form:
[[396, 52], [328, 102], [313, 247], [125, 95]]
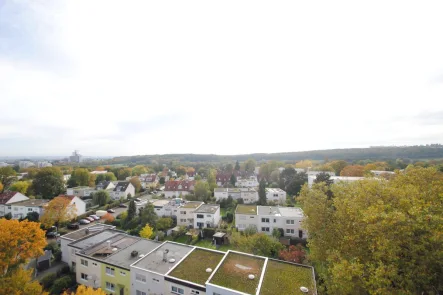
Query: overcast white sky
[[116, 78]]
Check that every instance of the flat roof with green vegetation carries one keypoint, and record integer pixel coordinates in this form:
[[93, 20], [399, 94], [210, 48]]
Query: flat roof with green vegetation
[[193, 267], [192, 204], [287, 278], [234, 272], [246, 209]]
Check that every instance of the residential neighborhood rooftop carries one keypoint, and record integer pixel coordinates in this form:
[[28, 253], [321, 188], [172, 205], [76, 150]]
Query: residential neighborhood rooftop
[[287, 278], [110, 246], [234, 189], [90, 231], [246, 209], [128, 255], [160, 203], [235, 270], [291, 212], [121, 186], [194, 267], [191, 204], [208, 208], [274, 190], [268, 210], [6, 196], [155, 261], [31, 203]]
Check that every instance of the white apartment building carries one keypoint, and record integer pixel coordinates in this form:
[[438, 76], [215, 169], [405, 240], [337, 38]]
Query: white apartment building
[[167, 208], [25, 164], [22, 208], [80, 191], [335, 179], [43, 164], [8, 198], [265, 218], [276, 195], [185, 213], [249, 195], [250, 181], [207, 215]]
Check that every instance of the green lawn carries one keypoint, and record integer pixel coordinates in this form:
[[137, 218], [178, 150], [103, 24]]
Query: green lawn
[[208, 244], [223, 212]]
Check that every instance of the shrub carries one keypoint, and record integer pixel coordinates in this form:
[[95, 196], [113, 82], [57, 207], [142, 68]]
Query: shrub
[[47, 280], [58, 255], [64, 270], [195, 239], [53, 246], [229, 217], [116, 223], [61, 284], [208, 232], [108, 218]]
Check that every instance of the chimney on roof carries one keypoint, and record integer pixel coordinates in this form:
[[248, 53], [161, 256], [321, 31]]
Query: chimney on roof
[[165, 255]]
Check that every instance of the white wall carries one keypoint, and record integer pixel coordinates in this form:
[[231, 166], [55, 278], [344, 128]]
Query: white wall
[[187, 290], [80, 205], [189, 216], [21, 211], [155, 284], [213, 218], [279, 197], [176, 194], [211, 289], [243, 221]]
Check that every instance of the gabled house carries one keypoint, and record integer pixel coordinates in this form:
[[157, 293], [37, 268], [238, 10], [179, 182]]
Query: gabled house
[[22, 208], [104, 185], [7, 198], [79, 204], [123, 189], [175, 188]]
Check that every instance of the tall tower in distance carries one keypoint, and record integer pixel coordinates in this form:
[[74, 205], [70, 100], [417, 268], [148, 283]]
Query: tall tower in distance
[[76, 157]]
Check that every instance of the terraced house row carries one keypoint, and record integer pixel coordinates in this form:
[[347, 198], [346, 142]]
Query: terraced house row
[[123, 264]]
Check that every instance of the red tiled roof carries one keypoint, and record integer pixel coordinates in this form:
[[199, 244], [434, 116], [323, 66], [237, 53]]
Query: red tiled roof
[[173, 185], [5, 197]]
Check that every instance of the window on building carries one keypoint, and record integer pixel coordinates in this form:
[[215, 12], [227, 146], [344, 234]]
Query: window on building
[[251, 216], [109, 271], [84, 276], [265, 220], [138, 292], [9, 207], [140, 277], [194, 292], [122, 273], [200, 216], [155, 280], [110, 286], [94, 264], [177, 290], [29, 209], [265, 229], [183, 212], [275, 220], [300, 234], [290, 222], [84, 262], [289, 231], [213, 293], [208, 215]]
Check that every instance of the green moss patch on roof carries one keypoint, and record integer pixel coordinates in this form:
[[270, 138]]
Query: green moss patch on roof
[[246, 209], [286, 278], [193, 267], [234, 272]]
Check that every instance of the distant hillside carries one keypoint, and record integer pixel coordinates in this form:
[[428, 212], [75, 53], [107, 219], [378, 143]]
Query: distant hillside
[[433, 151]]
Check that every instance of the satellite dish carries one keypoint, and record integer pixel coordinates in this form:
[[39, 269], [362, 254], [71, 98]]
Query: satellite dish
[[208, 270]]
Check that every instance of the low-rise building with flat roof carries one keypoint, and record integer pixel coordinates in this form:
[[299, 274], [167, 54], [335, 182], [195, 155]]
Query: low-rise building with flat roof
[[185, 213], [276, 195], [207, 215], [265, 218], [248, 194]]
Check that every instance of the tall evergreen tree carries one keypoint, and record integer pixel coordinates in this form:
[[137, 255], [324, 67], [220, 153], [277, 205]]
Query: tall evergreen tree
[[132, 210], [237, 166], [262, 192], [233, 179]]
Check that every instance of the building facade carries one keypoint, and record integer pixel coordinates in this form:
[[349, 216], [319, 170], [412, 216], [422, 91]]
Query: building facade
[[276, 195], [249, 195], [207, 215], [177, 188]]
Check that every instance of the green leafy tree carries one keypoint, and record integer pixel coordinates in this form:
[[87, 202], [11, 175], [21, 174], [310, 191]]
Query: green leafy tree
[[135, 181], [139, 170], [202, 191], [20, 186], [33, 216], [294, 187], [258, 244], [233, 179], [101, 198], [123, 173], [109, 176], [229, 168], [148, 215], [48, 183], [338, 166], [164, 223], [7, 176], [132, 210], [162, 180], [237, 166], [286, 177], [250, 165], [262, 193], [377, 236], [323, 177], [211, 179]]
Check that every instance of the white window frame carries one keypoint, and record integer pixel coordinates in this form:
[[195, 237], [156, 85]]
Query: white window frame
[[84, 276], [177, 290], [110, 271], [138, 292], [84, 262], [140, 277], [110, 286]]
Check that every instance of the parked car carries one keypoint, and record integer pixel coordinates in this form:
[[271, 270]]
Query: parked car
[[137, 199], [75, 225], [52, 234], [123, 206], [84, 221], [95, 217], [111, 211], [90, 218]]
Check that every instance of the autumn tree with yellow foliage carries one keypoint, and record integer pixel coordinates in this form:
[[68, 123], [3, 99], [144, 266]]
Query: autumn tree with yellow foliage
[[58, 210], [20, 282], [83, 290], [146, 232], [376, 236]]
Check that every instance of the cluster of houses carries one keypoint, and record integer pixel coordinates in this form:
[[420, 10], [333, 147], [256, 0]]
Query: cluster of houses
[[116, 189], [106, 258], [19, 205]]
